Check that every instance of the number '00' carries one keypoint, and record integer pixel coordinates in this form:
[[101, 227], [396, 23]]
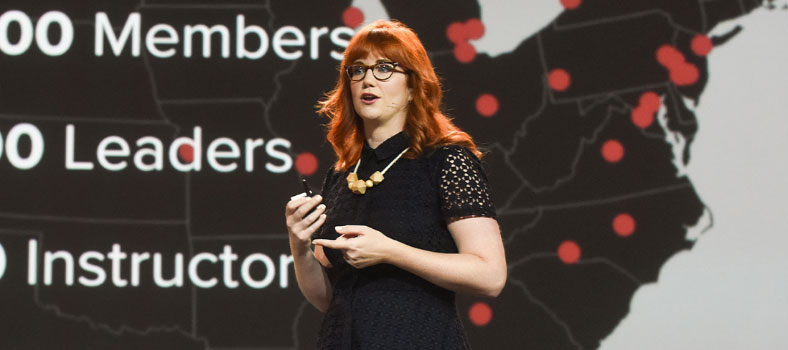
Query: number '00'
[[41, 32], [12, 146]]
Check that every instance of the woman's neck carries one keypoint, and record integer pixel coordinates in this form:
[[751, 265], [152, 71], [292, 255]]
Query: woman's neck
[[376, 135]]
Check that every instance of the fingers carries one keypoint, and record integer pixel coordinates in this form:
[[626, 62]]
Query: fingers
[[293, 204], [307, 206], [349, 250], [315, 214], [355, 261], [341, 243], [314, 226], [350, 260], [297, 208], [305, 227], [302, 227], [352, 230], [333, 244]]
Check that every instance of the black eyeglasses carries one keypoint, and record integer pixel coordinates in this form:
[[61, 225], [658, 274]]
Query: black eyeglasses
[[380, 70]]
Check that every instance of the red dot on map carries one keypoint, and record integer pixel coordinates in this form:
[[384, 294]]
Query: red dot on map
[[612, 151], [701, 45], [487, 105], [352, 17], [480, 314], [624, 224], [306, 163], [642, 117], [186, 153], [571, 4], [684, 74], [464, 52], [474, 28], [455, 32], [650, 100], [669, 56], [569, 252], [559, 79]]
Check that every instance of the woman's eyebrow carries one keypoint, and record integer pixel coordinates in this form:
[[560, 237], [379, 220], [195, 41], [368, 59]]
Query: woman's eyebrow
[[382, 60]]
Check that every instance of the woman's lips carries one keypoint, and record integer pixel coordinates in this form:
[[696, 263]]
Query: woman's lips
[[369, 98]]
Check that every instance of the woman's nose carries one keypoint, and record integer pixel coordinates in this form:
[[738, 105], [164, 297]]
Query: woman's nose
[[369, 78]]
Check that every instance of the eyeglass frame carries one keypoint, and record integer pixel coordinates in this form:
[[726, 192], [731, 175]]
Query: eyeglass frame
[[372, 66]]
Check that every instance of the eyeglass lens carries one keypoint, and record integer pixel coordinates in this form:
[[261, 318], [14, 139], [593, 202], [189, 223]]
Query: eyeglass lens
[[380, 71]]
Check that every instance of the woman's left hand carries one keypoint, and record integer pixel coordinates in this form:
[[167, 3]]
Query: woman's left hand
[[361, 246]]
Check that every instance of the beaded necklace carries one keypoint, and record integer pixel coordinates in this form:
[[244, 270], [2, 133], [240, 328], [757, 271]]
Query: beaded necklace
[[360, 186]]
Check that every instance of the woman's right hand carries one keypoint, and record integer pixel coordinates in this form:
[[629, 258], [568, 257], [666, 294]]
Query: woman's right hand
[[301, 227]]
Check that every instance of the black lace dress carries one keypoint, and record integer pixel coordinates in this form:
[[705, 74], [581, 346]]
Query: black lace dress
[[382, 306]]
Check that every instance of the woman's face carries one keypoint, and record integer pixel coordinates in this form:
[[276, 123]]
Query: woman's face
[[381, 102]]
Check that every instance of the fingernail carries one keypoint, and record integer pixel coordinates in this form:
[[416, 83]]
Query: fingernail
[[339, 228], [322, 206], [319, 197]]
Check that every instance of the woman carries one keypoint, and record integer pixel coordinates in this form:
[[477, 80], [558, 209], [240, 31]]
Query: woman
[[406, 219]]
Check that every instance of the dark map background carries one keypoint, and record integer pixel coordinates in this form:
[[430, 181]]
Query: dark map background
[[557, 180]]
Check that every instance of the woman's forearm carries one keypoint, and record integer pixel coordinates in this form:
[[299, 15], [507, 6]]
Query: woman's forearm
[[460, 272], [301, 225], [311, 276], [479, 268]]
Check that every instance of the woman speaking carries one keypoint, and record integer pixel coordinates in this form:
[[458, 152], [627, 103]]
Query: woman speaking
[[406, 220]]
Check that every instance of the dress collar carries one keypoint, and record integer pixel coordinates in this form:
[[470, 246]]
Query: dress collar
[[392, 146]]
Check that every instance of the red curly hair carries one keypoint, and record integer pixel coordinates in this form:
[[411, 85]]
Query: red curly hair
[[425, 125]]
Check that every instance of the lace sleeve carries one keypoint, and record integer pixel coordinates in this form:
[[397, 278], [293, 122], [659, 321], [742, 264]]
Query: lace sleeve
[[463, 187]]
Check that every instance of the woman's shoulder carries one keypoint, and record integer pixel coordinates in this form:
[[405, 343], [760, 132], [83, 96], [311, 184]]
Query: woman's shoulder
[[450, 153], [462, 183]]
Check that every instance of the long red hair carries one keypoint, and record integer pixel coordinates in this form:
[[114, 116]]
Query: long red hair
[[425, 125]]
